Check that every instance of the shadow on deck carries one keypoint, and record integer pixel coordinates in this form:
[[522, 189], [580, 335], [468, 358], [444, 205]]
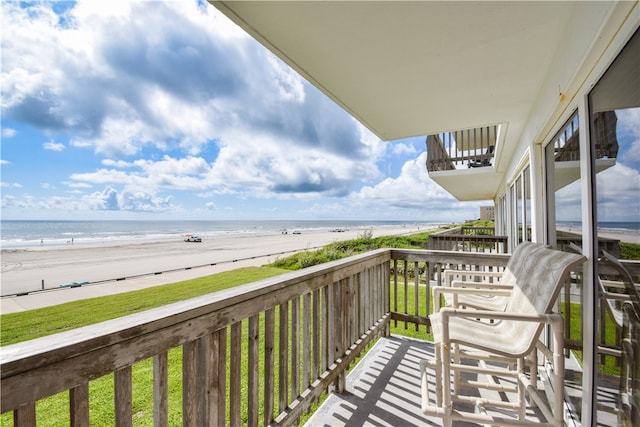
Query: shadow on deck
[[384, 390]]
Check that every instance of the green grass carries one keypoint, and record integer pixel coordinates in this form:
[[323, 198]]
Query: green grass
[[27, 325], [629, 251], [338, 250], [608, 364]]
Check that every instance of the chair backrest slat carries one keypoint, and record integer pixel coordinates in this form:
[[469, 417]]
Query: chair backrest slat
[[539, 272]]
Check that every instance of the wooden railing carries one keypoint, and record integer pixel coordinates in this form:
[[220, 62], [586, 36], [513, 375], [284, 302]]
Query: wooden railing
[[571, 300], [469, 148], [468, 239], [291, 337]]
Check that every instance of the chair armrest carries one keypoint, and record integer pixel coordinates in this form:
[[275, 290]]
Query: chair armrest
[[449, 274], [439, 290], [502, 315], [616, 284], [479, 285], [554, 319]]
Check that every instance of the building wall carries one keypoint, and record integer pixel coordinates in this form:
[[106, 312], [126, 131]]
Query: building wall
[[487, 213]]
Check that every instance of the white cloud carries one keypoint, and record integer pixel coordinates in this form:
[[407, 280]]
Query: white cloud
[[179, 77], [402, 148], [618, 191], [629, 129], [53, 146], [111, 200], [8, 132], [4, 162], [145, 175], [413, 193], [10, 184]]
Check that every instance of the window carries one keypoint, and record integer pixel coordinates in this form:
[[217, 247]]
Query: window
[[614, 112], [564, 194]]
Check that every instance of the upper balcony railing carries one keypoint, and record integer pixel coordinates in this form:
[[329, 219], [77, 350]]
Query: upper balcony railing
[[470, 239], [470, 148]]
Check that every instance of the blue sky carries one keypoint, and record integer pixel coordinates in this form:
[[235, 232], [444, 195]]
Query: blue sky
[[122, 110]]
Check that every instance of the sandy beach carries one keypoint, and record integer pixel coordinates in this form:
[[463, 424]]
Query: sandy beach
[[31, 277], [112, 269]]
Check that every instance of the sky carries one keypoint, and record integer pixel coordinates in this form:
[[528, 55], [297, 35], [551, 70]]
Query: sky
[[118, 110]]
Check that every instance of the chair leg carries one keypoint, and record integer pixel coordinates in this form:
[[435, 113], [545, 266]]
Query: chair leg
[[558, 371], [446, 383], [439, 378], [456, 372], [522, 401]]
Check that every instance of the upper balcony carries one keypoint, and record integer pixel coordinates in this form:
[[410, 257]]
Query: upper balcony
[[457, 159], [257, 354]]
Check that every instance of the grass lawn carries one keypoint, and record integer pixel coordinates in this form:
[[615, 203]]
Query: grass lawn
[[27, 325]]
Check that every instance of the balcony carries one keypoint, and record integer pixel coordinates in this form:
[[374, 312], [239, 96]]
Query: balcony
[[258, 354], [457, 158], [468, 239]]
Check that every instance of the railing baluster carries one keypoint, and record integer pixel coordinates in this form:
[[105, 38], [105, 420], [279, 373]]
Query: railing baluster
[[317, 332], [333, 326], [79, 405], [366, 287], [306, 339], [160, 390], [235, 374], [352, 305], [25, 416], [201, 379], [269, 335], [122, 385], [343, 343], [295, 348], [416, 291], [406, 292], [218, 377], [253, 405], [361, 302], [427, 272], [395, 289], [327, 325], [283, 360], [189, 375]]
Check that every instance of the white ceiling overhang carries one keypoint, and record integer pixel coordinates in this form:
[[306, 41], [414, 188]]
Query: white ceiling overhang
[[418, 67]]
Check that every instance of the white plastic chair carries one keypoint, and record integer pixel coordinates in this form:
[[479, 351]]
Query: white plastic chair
[[538, 274], [485, 290]]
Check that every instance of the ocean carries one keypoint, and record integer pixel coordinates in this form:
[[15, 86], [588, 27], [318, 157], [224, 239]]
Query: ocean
[[17, 234], [628, 226]]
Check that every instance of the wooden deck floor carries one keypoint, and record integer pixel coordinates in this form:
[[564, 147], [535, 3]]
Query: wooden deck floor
[[384, 390]]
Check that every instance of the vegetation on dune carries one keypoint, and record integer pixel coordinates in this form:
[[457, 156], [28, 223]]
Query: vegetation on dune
[[343, 249], [629, 251]]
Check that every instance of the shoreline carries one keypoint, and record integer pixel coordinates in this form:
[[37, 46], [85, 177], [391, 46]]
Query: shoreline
[[123, 267], [624, 236]]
